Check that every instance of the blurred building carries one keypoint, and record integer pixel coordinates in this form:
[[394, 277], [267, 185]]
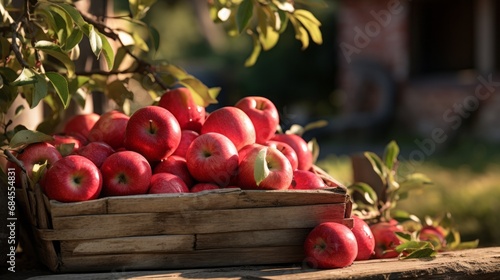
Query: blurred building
[[430, 64]]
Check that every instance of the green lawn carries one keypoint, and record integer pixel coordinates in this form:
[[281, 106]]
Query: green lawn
[[466, 184]]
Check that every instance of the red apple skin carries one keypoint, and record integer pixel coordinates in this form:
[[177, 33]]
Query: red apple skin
[[180, 103], [67, 139], [330, 245], [306, 180], [71, 179], [263, 114], [110, 128], [364, 239], [299, 145], [280, 171], [125, 173], [187, 137], [212, 158], [232, 123], [153, 132], [385, 240], [80, 125], [286, 150], [176, 165], [434, 234], [167, 183], [36, 153], [199, 187], [97, 152]]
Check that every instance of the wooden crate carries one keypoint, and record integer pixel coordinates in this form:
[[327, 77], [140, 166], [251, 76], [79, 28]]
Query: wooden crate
[[226, 227]]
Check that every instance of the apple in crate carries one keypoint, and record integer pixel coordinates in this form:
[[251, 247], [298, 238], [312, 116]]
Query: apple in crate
[[71, 179], [364, 238], [299, 145], [286, 150], [125, 173], [36, 153], [199, 187], [153, 132], [232, 123], [330, 245], [110, 128], [177, 166], [306, 180], [187, 137], [212, 158], [263, 114], [67, 144], [80, 125], [167, 183], [180, 103], [97, 152], [263, 168]]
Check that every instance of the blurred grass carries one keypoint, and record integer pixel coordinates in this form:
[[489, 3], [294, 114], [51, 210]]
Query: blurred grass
[[466, 184]]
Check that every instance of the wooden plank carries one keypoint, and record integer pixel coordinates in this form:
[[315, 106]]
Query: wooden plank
[[189, 222], [478, 264], [90, 207], [255, 238], [202, 258], [129, 245]]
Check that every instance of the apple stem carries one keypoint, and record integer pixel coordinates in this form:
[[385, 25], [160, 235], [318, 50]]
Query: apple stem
[[151, 128]]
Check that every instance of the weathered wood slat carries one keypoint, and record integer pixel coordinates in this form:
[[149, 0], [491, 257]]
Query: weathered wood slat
[[208, 221], [221, 199], [202, 258], [129, 245]]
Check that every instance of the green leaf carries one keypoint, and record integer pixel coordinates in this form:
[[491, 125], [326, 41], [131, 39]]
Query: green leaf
[[56, 52], [25, 137], [366, 190], [73, 39], [61, 86], [38, 171], [26, 77], [71, 11], [139, 8], [300, 33], [377, 165], [95, 41], [260, 169], [201, 94], [421, 253], [244, 14], [391, 154], [155, 37], [121, 53], [415, 181], [40, 90], [107, 50], [8, 92], [310, 23], [406, 237], [66, 149], [268, 38], [257, 48]]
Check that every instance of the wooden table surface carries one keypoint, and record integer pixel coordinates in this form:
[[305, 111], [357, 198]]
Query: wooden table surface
[[481, 263]]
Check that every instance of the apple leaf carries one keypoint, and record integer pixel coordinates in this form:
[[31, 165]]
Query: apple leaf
[[377, 165], [95, 41], [61, 86], [37, 172], [56, 52], [25, 137], [415, 181], [391, 154], [260, 169], [311, 24], [257, 48], [366, 190], [244, 14], [107, 50]]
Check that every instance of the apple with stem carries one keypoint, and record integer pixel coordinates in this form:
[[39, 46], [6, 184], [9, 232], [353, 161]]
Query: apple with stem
[[71, 179], [167, 183], [233, 123], [263, 114], [330, 245], [153, 132], [263, 168], [125, 173], [180, 102], [212, 158]]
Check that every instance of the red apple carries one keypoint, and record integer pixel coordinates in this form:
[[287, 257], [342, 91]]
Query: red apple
[[167, 183], [434, 234], [67, 144], [364, 239], [299, 145], [386, 240], [80, 125], [153, 132], [212, 158], [306, 180], [232, 123], [330, 245], [180, 103], [37, 153], [125, 173], [110, 128], [71, 179], [204, 187], [187, 137], [275, 169], [286, 150], [177, 166], [263, 114], [97, 152]]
